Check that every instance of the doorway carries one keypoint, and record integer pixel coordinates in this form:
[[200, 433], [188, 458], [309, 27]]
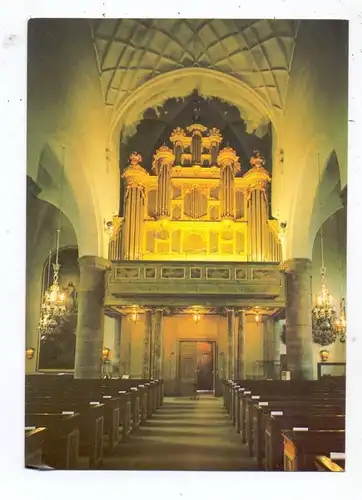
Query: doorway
[[196, 367]]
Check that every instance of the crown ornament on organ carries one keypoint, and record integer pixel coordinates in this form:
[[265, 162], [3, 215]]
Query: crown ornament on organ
[[227, 156], [215, 135], [164, 155], [135, 158], [257, 160]]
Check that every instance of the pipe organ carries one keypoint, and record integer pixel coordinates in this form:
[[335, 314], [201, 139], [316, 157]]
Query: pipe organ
[[196, 203]]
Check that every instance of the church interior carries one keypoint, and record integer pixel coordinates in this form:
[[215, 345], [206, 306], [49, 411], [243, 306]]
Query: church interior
[[186, 244]]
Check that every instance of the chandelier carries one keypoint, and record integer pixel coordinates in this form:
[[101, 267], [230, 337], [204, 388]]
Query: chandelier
[[53, 303], [324, 315], [324, 311], [341, 322]]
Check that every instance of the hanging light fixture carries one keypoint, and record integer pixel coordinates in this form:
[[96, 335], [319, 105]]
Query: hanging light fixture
[[196, 316], [341, 322], [324, 311], [134, 314], [53, 304], [257, 315]]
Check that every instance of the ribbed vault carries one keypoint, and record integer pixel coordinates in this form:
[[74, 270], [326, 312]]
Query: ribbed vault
[[131, 52]]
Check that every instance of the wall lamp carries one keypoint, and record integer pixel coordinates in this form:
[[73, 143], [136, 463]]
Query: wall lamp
[[106, 354], [30, 351]]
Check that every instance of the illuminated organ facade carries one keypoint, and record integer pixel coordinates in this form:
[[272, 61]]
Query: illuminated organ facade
[[198, 203]]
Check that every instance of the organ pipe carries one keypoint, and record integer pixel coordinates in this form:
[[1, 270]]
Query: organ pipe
[[135, 178], [259, 249], [162, 164], [228, 162]]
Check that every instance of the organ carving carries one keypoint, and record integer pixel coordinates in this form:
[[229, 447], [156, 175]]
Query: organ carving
[[196, 203]]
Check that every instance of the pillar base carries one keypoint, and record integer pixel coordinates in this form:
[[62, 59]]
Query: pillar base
[[298, 315], [89, 341]]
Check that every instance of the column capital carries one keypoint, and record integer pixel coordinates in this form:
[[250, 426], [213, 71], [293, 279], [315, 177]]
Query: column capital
[[298, 265]]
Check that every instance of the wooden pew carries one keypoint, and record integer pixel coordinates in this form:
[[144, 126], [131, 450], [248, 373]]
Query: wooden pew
[[275, 424], [61, 443], [91, 423], [326, 464], [303, 405], [302, 447], [289, 393], [231, 389], [34, 443]]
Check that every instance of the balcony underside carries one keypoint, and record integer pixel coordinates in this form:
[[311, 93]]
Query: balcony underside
[[212, 284]]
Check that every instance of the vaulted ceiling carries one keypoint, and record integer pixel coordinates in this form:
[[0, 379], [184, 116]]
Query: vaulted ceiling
[[258, 52]]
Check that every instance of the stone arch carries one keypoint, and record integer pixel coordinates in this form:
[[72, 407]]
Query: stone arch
[[304, 219], [182, 82], [79, 202]]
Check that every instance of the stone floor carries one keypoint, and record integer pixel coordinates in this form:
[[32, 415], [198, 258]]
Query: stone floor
[[184, 434]]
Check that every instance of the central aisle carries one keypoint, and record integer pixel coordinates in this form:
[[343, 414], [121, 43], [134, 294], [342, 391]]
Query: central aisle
[[184, 434]]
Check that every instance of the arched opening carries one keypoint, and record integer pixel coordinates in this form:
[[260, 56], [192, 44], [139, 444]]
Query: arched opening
[[57, 350], [334, 250]]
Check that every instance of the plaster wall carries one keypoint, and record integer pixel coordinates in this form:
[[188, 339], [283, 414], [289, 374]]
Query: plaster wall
[[315, 121], [335, 247], [66, 108]]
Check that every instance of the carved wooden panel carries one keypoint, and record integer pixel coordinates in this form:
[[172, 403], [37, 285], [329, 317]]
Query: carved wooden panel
[[218, 273], [150, 273], [265, 274], [240, 273], [127, 272], [195, 273], [173, 273]]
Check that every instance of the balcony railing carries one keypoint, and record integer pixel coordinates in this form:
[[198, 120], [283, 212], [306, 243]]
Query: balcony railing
[[148, 281]]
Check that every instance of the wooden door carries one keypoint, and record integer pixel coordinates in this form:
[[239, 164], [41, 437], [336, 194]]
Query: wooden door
[[187, 368], [205, 366]]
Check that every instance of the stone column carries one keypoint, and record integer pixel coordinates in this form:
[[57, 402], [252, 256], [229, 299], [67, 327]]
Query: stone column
[[88, 352], [157, 325], [258, 231], [240, 346], [147, 353], [136, 177], [228, 162], [298, 314], [163, 160], [117, 346], [231, 333]]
